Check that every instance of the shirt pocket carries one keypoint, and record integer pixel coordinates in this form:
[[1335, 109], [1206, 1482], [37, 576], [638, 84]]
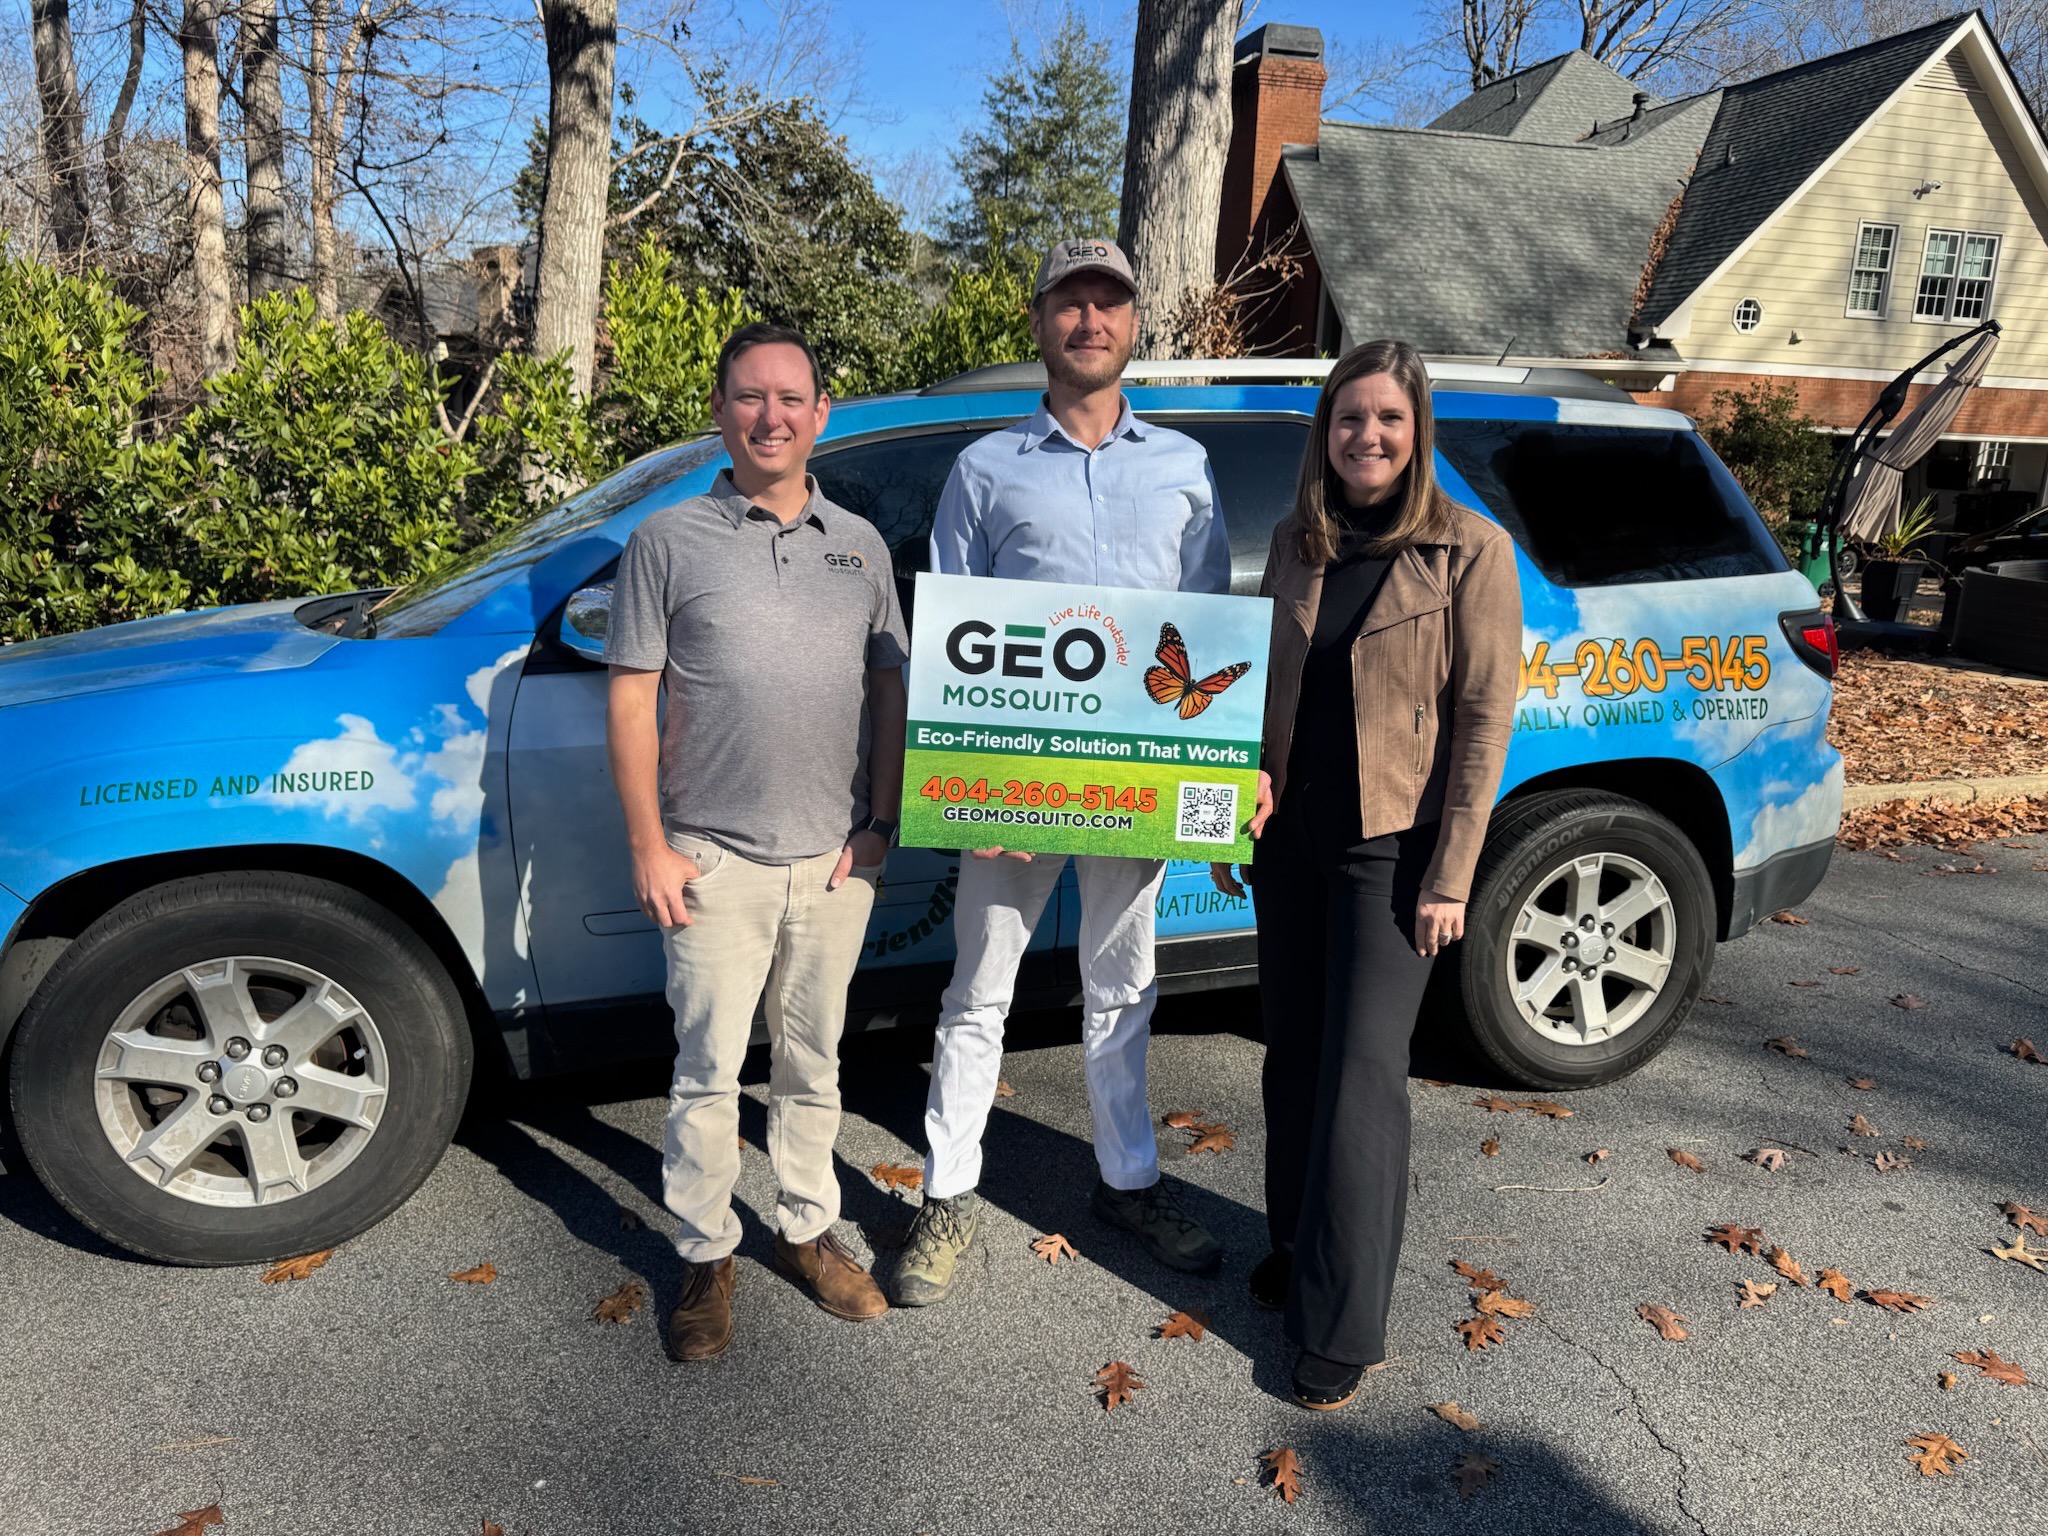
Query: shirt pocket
[[1145, 542]]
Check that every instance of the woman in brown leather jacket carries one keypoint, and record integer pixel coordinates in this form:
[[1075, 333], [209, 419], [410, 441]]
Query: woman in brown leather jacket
[[1397, 621]]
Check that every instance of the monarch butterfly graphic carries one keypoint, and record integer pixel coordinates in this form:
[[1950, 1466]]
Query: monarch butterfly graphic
[[1172, 683]]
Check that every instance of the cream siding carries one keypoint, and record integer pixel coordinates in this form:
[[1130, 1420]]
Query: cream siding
[[1798, 270]]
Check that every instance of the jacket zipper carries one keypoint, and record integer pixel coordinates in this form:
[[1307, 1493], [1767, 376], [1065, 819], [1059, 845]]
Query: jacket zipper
[[1418, 738]]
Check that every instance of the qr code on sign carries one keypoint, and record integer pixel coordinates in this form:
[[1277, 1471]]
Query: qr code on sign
[[1208, 813]]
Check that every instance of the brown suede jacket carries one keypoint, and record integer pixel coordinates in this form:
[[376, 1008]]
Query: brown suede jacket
[[1433, 673]]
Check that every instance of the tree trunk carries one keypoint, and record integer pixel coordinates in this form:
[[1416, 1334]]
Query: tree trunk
[[199, 40], [1173, 157], [321, 146], [582, 37], [63, 124], [115, 153], [265, 233]]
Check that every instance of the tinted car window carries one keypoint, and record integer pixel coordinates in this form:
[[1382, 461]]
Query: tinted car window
[[1599, 506], [895, 484]]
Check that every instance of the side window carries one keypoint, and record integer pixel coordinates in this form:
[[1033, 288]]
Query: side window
[[1598, 506], [1255, 463], [895, 483]]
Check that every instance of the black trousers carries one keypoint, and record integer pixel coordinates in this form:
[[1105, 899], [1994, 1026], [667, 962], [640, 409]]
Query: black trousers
[[1340, 986]]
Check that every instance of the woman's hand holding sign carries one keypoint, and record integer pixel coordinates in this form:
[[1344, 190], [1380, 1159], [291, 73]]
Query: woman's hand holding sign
[[1221, 875]]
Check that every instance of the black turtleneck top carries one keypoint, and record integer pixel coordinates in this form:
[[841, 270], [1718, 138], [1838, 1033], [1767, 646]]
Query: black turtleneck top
[[1324, 755]]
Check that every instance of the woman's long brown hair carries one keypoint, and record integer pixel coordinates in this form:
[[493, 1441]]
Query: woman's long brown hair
[[1426, 514]]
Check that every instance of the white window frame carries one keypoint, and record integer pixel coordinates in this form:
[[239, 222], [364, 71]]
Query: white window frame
[[1955, 279], [1884, 274], [1735, 316], [1994, 461]]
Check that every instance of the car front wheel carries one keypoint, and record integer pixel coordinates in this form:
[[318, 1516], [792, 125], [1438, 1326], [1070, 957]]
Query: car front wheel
[[1588, 936], [236, 1068]]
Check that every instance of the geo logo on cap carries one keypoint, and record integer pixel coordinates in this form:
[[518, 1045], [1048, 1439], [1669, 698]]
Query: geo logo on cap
[[1071, 256]]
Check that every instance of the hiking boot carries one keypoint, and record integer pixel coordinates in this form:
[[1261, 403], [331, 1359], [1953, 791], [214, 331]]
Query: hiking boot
[[939, 1239], [833, 1276], [1270, 1278], [1169, 1234], [701, 1325]]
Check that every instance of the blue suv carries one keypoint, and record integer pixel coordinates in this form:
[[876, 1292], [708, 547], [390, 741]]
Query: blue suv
[[274, 879]]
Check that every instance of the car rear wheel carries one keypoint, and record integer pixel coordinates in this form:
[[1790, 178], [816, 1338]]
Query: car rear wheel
[[1588, 936], [236, 1068]]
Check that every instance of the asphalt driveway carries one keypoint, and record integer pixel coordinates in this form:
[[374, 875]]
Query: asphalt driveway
[[377, 1395]]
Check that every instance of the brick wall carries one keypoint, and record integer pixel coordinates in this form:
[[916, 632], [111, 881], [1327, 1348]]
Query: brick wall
[[1843, 402], [1274, 100]]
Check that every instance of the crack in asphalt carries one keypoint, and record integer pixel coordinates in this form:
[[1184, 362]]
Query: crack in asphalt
[[1929, 949], [1642, 1416]]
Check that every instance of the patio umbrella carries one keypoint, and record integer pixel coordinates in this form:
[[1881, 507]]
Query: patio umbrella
[[1871, 504]]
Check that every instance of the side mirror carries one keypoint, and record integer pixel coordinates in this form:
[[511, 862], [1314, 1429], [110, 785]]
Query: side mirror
[[586, 620]]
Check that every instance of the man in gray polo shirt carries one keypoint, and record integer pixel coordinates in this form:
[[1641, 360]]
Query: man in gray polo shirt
[[759, 813]]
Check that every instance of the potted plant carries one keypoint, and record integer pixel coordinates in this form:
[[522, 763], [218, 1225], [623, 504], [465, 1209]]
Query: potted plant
[[1892, 576]]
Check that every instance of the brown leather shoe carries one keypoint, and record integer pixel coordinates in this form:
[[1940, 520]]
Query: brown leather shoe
[[701, 1325], [833, 1277]]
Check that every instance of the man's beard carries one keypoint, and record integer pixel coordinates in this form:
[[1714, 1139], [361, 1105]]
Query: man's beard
[[1069, 370]]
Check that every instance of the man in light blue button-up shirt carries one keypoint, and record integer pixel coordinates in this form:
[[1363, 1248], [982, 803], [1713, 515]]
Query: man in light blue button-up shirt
[[1081, 492]]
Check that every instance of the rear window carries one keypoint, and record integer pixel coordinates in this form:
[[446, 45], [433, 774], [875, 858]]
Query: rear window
[[1598, 506]]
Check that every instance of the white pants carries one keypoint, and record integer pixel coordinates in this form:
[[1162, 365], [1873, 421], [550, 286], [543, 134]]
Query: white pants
[[999, 902]]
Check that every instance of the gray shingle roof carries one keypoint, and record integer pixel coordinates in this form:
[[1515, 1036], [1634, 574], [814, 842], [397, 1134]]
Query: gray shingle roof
[[1769, 135], [1555, 102], [1458, 242]]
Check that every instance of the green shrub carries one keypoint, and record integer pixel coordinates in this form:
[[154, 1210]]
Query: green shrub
[[78, 545], [1777, 453], [656, 387], [984, 319], [540, 440]]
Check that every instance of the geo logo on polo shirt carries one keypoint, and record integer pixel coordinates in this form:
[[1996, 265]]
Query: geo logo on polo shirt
[[846, 562]]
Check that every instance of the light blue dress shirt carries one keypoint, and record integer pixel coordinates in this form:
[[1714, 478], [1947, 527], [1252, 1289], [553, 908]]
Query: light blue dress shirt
[[1028, 503]]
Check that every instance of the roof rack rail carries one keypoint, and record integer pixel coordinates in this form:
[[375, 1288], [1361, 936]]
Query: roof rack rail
[[1485, 377]]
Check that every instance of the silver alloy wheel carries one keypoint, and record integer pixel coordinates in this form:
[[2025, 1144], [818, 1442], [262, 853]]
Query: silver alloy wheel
[[241, 1081], [1591, 949]]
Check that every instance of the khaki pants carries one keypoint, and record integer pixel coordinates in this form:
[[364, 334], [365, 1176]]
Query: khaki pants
[[758, 928]]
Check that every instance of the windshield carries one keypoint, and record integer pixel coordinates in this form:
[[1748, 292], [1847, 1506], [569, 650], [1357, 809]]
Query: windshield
[[425, 606]]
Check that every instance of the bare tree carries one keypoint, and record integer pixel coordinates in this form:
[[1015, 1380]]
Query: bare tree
[[1489, 36], [1640, 37], [582, 41], [206, 217], [63, 127], [264, 231], [114, 148], [1173, 156]]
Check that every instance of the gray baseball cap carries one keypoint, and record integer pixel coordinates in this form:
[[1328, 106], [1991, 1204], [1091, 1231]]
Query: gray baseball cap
[[1071, 256]]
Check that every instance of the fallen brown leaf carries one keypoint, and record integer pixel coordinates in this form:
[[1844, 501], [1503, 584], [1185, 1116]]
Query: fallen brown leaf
[[1863, 1084], [1947, 1380], [1053, 1247], [1787, 1266], [1845, 970], [1214, 1139], [1474, 1472], [897, 1176], [1494, 1104], [1935, 1454], [2019, 1253], [1664, 1320], [1473, 1275], [1793, 918], [1907, 1000], [1836, 1284], [1183, 1325], [1284, 1467], [1858, 1126], [1479, 1331], [1898, 1301], [297, 1269], [2026, 1219], [1802, 983], [620, 1305], [1787, 1045], [628, 1222], [1181, 1119], [1737, 1239], [1770, 1159], [1755, 1293], [1116, 1382], [1685, 1159], [1991, 1365], [1913, 1143], [1547, 1108], [1501, 1304], [1004, 1090], [483, 1274], [1490, 1147], [491, 1528], [1599, 1155], [192, 1521], [1891, 1162], [2023, 1048], [1716, 999], [1451, 1413]]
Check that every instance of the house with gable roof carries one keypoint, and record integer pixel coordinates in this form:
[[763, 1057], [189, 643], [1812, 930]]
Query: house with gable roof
[[1823, 227]]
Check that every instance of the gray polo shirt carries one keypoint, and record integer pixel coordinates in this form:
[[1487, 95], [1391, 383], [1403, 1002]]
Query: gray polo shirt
[[765, 635]]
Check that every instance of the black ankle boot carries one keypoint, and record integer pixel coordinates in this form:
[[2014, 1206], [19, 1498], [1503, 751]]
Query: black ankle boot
[[1270, 1278], [1325, 1384]]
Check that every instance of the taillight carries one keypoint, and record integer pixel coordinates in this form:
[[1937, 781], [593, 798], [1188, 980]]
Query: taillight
[[1812, 633]]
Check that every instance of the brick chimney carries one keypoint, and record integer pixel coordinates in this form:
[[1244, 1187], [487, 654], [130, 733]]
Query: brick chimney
[[1276, 98]]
